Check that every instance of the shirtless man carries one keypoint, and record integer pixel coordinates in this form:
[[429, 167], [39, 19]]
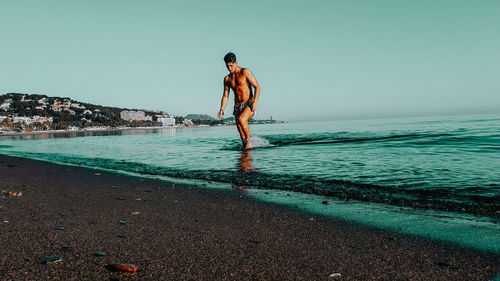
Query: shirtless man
[[241, 81]]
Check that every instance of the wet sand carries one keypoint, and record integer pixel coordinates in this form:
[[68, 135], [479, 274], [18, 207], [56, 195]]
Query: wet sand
[[184, 233]]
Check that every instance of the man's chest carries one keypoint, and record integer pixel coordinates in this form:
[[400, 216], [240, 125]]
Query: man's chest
[[234, 81]]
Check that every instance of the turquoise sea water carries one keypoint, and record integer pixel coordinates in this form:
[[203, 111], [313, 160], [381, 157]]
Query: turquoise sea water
[[442, 172]]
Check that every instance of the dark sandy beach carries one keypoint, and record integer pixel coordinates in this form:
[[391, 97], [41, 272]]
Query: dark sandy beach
[[184, 233]]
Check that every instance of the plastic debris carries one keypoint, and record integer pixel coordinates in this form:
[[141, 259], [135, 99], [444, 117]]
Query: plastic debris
[[134, 213], [58, 228], [99, 254], [123, 222], [52, 260], [122, 236], [15, 194], [334, 275], [62, 214], [97, 174], [325, 202], [254, 241], [353, 246], [66, 248], [127, 267]]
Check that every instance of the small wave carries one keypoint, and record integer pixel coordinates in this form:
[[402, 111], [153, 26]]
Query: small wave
[[342, 137], [5, 146]]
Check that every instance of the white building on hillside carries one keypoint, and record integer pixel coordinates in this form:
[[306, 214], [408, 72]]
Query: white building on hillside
[[134, 115], [167, 121], [6, 104]]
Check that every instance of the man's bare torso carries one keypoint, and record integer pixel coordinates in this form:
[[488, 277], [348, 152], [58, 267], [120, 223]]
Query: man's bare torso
[[238, 82]]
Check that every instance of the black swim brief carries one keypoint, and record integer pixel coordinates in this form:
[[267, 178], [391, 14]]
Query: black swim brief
[[240, 106]]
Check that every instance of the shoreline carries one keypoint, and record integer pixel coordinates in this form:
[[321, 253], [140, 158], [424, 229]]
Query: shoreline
[[188, 233], [96, 130]]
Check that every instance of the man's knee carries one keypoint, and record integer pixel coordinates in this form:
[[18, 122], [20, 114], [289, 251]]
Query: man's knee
[[243, 119]]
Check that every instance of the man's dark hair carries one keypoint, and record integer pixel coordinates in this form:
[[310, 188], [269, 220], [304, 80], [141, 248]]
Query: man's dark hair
[[230, 57]]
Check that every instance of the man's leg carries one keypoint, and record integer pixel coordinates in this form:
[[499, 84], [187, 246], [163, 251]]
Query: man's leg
[[240, 129], [243, 120]]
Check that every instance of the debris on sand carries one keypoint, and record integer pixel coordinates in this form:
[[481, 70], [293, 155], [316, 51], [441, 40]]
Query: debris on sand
[[14, 194], [66, 248], [127, 267], [334, 275], [52, 260]]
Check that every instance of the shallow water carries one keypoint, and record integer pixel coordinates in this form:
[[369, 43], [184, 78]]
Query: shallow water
[[437, 164]]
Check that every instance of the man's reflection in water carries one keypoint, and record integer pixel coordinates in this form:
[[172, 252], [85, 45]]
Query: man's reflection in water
[[246, 166], [246, 162]]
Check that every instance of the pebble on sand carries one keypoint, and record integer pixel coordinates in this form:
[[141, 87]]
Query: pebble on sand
[[127, 267], [334, 275], [52, 260], [66, 248]]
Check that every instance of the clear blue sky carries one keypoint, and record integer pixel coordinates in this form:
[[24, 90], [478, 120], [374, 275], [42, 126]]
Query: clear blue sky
[[314, 59]]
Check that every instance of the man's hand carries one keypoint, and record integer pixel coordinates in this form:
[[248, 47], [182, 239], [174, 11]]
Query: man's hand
[[220, 114], [254, 107]]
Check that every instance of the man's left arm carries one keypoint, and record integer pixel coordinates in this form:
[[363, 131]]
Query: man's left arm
[[251, 79]]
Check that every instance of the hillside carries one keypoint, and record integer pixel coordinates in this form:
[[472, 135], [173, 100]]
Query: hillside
[[41, 112], [196, 117]]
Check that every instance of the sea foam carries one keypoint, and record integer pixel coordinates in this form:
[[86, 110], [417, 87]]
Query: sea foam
[[257, 142]]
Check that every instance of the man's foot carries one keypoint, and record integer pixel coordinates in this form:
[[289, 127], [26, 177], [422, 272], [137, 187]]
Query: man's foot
[[246, 143]]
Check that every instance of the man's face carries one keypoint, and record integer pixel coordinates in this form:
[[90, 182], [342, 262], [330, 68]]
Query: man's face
[[231, 66]]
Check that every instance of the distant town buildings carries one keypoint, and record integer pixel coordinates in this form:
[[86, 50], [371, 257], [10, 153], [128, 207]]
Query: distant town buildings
[[28, 120], [134, 116], [6, 104], [167, 121], [27, 113]]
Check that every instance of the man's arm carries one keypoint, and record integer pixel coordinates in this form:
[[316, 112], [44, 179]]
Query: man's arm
[[251, 79], [225, 97]]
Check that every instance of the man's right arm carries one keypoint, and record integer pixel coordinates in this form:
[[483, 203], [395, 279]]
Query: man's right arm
[[225, 98]]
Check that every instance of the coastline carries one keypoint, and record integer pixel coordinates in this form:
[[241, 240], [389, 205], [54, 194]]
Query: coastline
[[93, 130], [186, 233]]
